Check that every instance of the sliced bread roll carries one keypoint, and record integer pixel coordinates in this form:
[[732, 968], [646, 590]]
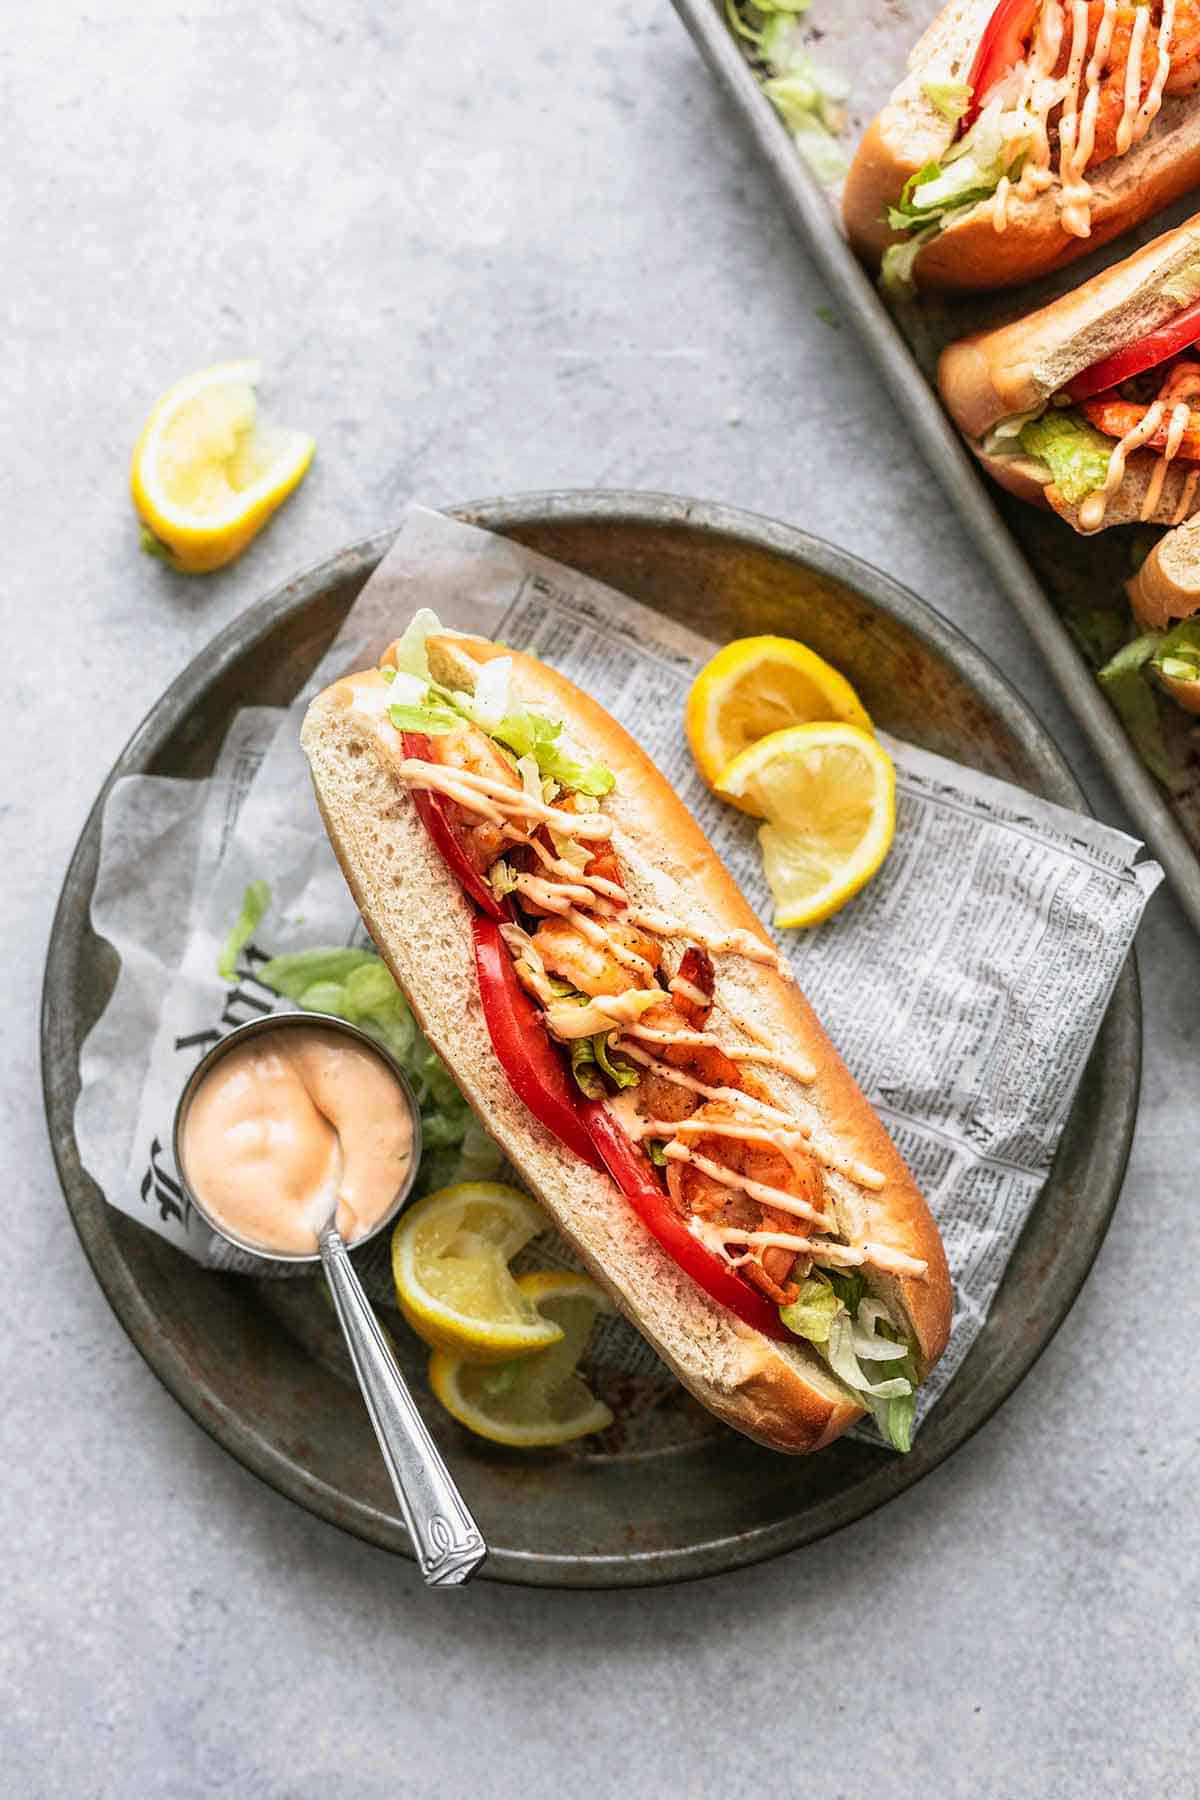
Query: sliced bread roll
[[971, 256], [780, 1394], [1019, 367], [1165, 591]]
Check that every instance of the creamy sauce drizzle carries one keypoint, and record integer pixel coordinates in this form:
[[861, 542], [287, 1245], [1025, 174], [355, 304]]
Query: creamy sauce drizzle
[[776, 1198], [475, 792], [1188, 495], [778, 1059], [838, 1256], [1180, 416], [1091, 513], [1079, 92], [729, 943]]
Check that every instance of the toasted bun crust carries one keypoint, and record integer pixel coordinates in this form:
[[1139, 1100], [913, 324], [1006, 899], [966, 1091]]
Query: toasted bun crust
[[781, 1395], [1165, 590], [971, 255], [1167, 586], [1014, 368], [1021, 476]]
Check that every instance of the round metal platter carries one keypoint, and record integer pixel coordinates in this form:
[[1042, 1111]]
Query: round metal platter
[[258, 1364]]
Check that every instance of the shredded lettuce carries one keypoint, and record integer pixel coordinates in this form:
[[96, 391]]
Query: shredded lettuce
[[950, 98], [940, 193], [255, 902], [433, 721], [427, 707], [410, 655], [585, 1068], [590, 1059], [809, 98], [1173, 654], [1099, 631], [357, 985], [847, 1327], [1076, 454], [1178, 654], [812, 1311], [528, 734]]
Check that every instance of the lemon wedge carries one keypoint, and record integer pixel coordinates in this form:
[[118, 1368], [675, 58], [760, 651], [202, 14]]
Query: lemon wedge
[[537, 1401], [450, 1257], [828, 795], [758, 685], [208, 472]]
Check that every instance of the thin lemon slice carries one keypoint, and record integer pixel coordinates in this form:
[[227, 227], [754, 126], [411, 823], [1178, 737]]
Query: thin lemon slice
[[208, 472], [828, 795], [758, 685], [539, 1400], [450, 1257]]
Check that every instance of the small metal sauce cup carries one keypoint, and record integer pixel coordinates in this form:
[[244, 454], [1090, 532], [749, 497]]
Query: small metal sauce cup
[[274, 1022], [446, 1539]]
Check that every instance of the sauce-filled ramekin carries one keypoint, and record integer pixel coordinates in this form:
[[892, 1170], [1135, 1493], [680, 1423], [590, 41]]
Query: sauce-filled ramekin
[[288, 1116]]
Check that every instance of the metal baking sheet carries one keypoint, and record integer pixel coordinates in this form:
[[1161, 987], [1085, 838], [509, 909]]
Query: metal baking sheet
[[259, 1364], [1037, 562]]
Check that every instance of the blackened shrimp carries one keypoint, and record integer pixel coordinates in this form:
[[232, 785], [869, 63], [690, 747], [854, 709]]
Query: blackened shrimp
[[618, 958], [700, 1195], [466, 747]]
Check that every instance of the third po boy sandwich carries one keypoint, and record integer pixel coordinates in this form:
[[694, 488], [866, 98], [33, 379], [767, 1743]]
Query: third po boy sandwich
[[625, 1029], [1091, 405], [1165, 597], [1025, 133]]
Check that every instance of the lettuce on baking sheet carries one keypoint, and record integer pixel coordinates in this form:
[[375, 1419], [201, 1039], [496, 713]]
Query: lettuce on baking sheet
[[808, 96]]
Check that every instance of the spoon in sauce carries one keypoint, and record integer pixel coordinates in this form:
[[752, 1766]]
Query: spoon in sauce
[[295, 1137]]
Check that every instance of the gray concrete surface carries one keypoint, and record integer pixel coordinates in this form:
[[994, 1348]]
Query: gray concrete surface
[[502, 247]]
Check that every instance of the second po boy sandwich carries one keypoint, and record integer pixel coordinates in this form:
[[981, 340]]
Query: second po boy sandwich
[[1165, 598], [624, 1027], [1025, 133], [1091, 405]]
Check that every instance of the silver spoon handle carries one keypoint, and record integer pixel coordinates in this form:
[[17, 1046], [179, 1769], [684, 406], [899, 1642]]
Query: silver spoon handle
[[445, 1537]]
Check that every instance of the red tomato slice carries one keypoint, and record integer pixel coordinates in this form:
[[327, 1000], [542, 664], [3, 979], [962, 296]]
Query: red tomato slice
[[634, 1175], [1168, 340], [432, 811], [1003, 44], [536, 1071]]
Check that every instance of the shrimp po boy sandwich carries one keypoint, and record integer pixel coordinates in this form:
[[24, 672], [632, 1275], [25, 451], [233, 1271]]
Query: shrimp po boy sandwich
[[625, 1029], [1091, 405], [1165, 598], [1026, 133]]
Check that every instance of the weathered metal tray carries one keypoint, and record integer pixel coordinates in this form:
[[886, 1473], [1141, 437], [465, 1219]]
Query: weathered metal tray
[[258, 1364], [873, 38]]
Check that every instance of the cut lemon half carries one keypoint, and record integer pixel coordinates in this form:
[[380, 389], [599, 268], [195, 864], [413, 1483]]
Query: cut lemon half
[[450, 1257], [758, 685], [828, 796], [537, 1401], [208, 472]]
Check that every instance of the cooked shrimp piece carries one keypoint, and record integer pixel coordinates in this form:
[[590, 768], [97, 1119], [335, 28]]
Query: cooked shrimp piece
[[466, 747], [1185, 48], [1184, 75], [698, 1195], [595, 967]]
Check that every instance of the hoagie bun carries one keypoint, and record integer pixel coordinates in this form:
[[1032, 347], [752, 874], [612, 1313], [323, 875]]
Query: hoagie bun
[[970, 254], [1164, 592], [781, 1394], [1025, 366]]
